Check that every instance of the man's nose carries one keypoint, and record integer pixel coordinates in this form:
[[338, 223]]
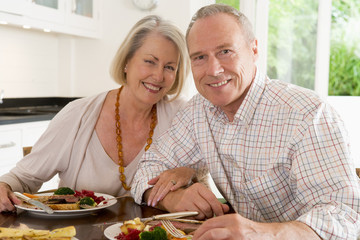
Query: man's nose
[[214, 67]]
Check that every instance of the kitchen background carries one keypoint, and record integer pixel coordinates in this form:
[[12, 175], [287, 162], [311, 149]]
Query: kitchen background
[[47, 52], [34, 63]]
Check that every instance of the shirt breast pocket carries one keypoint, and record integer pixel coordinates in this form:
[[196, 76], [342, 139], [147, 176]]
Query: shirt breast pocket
[[272, 194]]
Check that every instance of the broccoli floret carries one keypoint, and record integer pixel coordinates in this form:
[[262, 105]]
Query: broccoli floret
[[157, 234], [64, 191], [87, 201]]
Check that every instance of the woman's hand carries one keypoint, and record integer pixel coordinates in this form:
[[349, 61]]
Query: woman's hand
[[167, 181], [7, 198]]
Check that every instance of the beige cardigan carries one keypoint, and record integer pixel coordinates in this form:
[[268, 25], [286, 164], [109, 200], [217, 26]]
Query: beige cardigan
[[64, 149]]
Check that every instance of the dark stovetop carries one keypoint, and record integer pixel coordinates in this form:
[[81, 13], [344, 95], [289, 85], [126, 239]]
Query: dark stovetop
[[20, 110]]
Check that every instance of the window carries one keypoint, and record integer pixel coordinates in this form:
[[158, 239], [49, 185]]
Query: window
[[344, 74], [292, 30], [299, 46]]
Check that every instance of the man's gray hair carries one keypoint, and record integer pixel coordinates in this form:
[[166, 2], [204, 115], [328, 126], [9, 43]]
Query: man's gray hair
[[214, 9]]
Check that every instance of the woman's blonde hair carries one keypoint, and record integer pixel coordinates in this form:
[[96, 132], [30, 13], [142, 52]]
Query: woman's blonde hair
[[135, 39]]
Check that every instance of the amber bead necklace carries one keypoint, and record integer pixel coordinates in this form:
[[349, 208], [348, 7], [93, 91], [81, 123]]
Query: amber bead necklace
[[119, 139]]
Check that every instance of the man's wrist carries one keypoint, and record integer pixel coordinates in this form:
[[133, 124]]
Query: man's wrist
[[292, 230]]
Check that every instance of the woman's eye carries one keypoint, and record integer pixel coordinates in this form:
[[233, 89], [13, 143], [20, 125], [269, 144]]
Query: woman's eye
[[170, 68], [149, 61]]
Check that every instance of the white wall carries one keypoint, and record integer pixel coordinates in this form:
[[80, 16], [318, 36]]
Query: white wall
[[34, 63], [28, 62], [348, 109]]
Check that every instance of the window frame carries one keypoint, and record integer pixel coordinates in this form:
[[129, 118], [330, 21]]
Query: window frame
[[258, 11]]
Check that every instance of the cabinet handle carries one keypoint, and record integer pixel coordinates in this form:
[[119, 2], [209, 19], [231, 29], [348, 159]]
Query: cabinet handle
[[7, 145]]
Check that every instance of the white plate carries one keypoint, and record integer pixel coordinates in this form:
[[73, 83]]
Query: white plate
[[68, 213], [112, 231]]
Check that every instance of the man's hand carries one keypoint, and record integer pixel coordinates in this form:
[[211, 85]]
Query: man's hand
[[197, 197], [7, 198], [234, 226], [168, 181]]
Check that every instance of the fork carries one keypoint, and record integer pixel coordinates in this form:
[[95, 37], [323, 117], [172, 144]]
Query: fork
[[170, 228]]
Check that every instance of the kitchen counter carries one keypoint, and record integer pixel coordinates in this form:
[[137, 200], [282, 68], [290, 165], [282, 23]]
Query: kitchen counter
[[21, 110]]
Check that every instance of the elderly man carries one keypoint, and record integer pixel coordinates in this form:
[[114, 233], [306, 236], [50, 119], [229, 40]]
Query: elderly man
[[277, 152]]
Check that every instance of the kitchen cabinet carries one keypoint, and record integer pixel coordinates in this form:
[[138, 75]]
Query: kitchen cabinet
[[13, 6], [84, 14], [74, 17], [10, 148], [13, 137], [52, 11]]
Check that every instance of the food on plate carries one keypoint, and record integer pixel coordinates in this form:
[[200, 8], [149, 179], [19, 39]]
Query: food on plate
[[64, 191], [156, 233], [65, 200], [61, 202], [132, 224], [31, 195], [137, 230], [89, 201], [65, 233]]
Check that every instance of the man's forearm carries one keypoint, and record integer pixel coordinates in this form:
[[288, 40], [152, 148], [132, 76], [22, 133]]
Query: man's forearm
[[293, 230]]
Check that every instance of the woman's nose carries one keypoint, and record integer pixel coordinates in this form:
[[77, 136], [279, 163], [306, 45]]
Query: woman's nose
[[158, 74]]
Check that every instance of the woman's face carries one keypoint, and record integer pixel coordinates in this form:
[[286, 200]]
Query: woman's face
[[151, 72]]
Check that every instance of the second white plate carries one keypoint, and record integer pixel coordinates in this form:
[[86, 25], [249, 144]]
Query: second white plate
[[112, 231], [69, 213]]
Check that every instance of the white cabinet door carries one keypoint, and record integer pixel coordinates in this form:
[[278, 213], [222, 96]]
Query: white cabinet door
[[13, 138], [84, 15], [74, 17], [52, 11], [10, 149], [32, 132], [16, 7]]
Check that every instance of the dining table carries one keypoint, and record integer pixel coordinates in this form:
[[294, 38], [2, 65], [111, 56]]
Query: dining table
[[88, 226]]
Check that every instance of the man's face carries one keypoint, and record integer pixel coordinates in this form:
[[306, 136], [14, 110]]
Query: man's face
[[222, 60]]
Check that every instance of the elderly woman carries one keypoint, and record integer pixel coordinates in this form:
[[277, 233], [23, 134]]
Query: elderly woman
[[95, 143]]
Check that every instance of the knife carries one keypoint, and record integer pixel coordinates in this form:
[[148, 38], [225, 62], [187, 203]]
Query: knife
[[161, 216], [34, 202], [170, 216]]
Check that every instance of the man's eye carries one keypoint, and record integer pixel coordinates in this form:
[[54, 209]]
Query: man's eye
[[201, 57], [226, 51]]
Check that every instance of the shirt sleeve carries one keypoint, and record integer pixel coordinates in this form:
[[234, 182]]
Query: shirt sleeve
[[327, 186], [175, 148]]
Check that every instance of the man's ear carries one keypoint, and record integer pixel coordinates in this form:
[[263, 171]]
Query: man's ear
[[254, 49]]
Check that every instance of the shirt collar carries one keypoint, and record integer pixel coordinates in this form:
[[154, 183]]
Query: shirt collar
[[250, 103], [248, 106]]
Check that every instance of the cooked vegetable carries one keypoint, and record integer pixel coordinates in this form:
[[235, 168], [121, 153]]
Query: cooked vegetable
[[64, 191], [157, 234], [30, 195], [132, 224], [87, 201]]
